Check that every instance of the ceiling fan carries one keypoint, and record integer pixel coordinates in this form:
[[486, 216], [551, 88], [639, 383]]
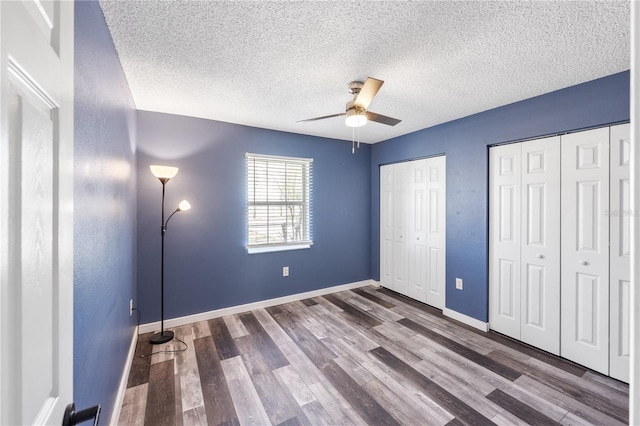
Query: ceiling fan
[[356, 110]]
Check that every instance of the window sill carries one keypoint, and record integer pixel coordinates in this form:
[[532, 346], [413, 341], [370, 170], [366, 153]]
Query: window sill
[[271, 249]]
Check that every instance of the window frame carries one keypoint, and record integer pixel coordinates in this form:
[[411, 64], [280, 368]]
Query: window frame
[[305, 204]]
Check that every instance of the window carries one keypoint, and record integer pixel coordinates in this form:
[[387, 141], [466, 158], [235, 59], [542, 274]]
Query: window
[[278, 203]]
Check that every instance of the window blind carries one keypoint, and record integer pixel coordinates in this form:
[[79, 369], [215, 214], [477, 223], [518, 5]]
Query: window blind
[[278, 200]]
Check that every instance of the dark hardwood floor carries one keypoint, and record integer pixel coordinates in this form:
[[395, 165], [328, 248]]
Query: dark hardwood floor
[[365, 356]]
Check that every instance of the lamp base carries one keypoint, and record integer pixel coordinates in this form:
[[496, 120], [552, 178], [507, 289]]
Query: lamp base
[[162, 337]]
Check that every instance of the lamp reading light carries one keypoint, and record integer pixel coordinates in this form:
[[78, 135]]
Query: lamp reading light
[[184, 206]]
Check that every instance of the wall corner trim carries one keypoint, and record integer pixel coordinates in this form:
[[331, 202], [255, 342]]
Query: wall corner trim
[[483, 326], [232, 310], [117, 406]]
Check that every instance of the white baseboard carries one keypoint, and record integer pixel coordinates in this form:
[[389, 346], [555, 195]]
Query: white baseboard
[[115, 414], [484, 326], [232, 310]]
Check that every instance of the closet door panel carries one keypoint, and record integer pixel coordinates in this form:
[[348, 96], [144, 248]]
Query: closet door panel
[[504, 228], [435, 230], [540, 244], [620, 262], [585, 249], [401, 204], [417, 230], [386, 226]]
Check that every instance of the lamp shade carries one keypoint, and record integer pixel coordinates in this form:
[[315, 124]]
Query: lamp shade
[[163, 172], [184, 206]]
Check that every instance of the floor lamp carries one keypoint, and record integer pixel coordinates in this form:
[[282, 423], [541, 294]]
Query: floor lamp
[[164, 173]]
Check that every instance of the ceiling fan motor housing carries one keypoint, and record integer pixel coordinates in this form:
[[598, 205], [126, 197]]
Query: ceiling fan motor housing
[[355, 87]]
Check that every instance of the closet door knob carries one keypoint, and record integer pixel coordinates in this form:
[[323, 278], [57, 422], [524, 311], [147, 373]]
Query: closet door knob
[[541, 256], [584, 262], [418, 238]]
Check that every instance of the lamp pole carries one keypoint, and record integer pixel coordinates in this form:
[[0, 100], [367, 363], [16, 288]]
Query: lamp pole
[[162, 336], [164, 174]]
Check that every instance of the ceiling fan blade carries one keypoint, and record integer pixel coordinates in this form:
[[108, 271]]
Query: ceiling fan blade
[[368, 91], [379, 118], [321, 118]]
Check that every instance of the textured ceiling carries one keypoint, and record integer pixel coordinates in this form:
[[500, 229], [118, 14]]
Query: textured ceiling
[[269, 64]]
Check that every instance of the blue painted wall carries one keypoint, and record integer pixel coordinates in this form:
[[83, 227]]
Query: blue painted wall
[[206, 263], [465, 142], [104, 213], [117, 203]]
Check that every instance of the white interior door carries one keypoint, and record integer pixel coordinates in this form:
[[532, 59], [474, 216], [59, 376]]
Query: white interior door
[[386, 226], [416, 238], [36, 211], [401, 196], [585, 249], [620, 256], [413, 229], [436, 172], [540, 244], [504, 233], [524, 222]]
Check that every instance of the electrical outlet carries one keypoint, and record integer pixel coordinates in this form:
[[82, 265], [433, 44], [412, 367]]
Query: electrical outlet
[[459, 283], [130, 307], [285, 271]]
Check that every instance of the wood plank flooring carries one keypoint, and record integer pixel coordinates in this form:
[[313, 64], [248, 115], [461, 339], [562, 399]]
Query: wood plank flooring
[[364, 356]]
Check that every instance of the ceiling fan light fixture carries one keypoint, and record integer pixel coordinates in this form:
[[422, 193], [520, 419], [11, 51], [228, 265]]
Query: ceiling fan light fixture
[[356, 120], [355, 117]]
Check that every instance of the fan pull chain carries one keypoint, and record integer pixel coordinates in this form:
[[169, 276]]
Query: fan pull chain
[[353, 140]]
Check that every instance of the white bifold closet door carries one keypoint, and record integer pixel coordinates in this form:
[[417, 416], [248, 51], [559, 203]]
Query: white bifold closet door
[[525, 242], [585, 248], [559, 261], [386, 226], [400, 254], [412, 229], [620, 256]]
